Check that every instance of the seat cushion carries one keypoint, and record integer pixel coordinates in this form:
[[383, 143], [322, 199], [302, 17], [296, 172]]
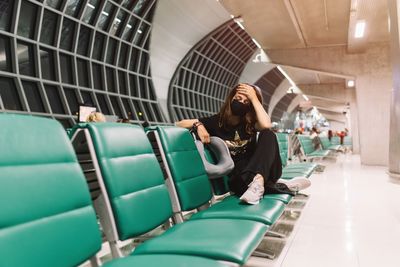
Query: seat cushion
[[285, 198], [267, 211], [157, 260], [220, 239]]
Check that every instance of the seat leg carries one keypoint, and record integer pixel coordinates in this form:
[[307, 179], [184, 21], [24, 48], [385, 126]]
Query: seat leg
[[115, 250], [274, 234], [264, 253], [95, 261]]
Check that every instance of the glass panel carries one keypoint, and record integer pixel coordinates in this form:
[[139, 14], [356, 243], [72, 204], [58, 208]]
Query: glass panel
[[147, 111], [73, 7], [67, 34], [6, 7], [83, 73], [110, 80], [9, 95], [123, 54], [128, 4], [72, 99], [27, 19], [33, 96], [53, 3], [98, 47], [129, 29], [157, 112], [25, 59], [87, 98], [132, 85], [106, 15], [139, 110], [111, 51], [5, 54], [139, 7], [55, 99], [47, 64], [134, 57], [142, 87], [90, 12], [97, 76], [49, 26], [103, 105], [118, 23], [84, 41], [143, 63], [122, 83], [66, 69], [131, 114], [116, 107]]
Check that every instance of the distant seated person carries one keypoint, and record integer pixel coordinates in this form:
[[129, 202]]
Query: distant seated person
[[123, 120], [257, 161], [96, 117]]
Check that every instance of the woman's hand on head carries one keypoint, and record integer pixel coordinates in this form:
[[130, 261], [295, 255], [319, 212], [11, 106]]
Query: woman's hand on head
[[203, 134], [247, 91]]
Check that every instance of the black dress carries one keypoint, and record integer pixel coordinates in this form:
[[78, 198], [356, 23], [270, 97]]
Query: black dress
[[250, 154]]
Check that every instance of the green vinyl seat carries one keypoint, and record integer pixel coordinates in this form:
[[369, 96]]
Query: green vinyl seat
[[292, 170], [192, 185], [140, 201], [327, 145], [46, 215], [308, 149]]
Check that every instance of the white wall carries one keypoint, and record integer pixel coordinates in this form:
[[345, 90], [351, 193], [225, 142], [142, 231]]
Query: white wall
[[177, 26]]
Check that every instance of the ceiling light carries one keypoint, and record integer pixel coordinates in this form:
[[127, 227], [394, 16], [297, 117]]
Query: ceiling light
[[232, 16], [306, 98], [350, 83], [255, 41], [360, 29], [90, 5], [105, 13]]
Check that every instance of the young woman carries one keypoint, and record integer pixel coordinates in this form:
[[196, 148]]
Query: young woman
[[257, 161]]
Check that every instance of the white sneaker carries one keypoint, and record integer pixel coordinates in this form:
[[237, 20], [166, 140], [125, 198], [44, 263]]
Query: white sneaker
[[297, 183], [254, 193]]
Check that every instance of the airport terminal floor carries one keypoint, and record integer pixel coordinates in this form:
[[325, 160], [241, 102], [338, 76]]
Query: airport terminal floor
[[351, 220]]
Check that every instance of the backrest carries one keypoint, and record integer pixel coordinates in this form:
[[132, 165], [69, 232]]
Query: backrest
[[187, 169], [283, 147], [325, 142], [347, 141], [335, 140], [46, 216], [132, 176], [306, 143]]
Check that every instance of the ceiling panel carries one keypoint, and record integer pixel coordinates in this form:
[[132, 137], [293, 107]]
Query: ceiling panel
[[268, 22], [301, 76], [323, 22], [330, 79]]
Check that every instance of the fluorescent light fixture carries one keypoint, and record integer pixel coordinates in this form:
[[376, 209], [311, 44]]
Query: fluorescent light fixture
[[232, 16], [306, 98], [350, 83], [139, 31], [240, 24], [129, 26], [257, 44], [104, 13], [360, 29], [90, 5]]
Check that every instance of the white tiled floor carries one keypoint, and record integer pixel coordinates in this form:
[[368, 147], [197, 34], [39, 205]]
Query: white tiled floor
[[352, 219]]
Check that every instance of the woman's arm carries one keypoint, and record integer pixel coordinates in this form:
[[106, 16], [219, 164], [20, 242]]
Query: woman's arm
[[263, 119], [201, 130]]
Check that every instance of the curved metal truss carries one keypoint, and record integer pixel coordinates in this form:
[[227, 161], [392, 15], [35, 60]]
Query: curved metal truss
[[268, 84], [207, 73], [56, 54]]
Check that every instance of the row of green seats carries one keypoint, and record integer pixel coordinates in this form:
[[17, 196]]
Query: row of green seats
[[308, 149], [46, 215], [292, 170]]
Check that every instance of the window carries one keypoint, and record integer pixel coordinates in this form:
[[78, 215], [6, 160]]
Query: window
[[111, 87], [91, 10], [103, 104], [84, 41], [27, 19], [67, 34], [73, 7], [106, 15], [83, 73], [97, 76], [47, 64], [9, 95], [54, 97], [49, 26], [26, 59], [72, 100], [33, 96], [111, 51], [5, 54], [66, 69], [6, 14], [98, 48]]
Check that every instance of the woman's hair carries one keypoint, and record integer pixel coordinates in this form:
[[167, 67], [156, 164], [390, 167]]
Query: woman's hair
[[96, 117], [225, 114]]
